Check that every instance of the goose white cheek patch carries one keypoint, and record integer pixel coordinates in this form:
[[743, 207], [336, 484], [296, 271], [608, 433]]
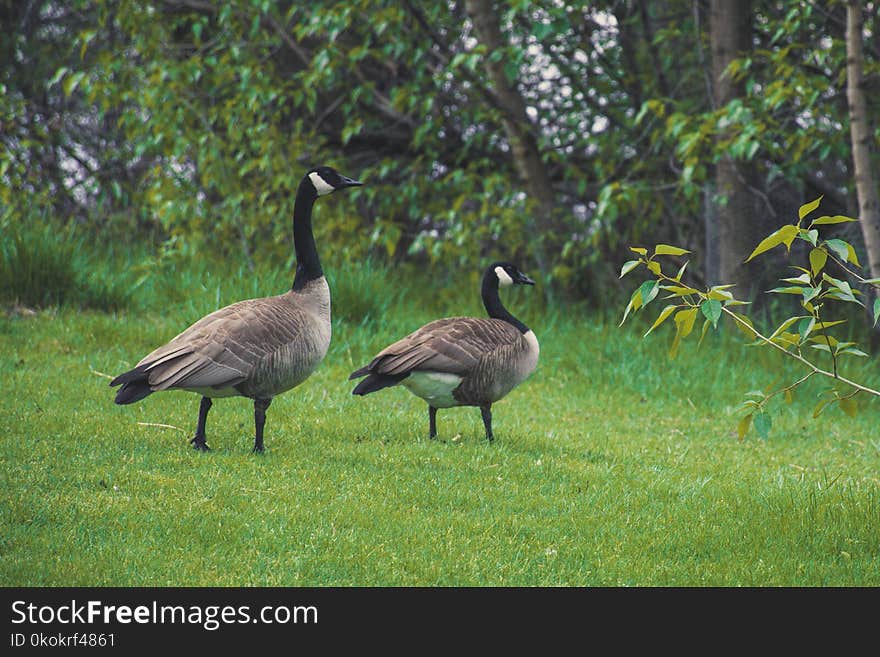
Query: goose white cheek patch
[[504, 278], [322, 187]]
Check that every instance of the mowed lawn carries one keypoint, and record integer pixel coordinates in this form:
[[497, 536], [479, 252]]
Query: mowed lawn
[[612, 466]]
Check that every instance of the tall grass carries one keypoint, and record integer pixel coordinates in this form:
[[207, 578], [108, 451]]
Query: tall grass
[[44, 265]]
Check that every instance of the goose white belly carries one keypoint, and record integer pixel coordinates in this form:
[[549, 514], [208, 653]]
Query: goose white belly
[[434, 387]]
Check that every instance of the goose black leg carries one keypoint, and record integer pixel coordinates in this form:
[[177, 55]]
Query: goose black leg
[[432, 421], [260, 406], [198, 441], [486, 412]]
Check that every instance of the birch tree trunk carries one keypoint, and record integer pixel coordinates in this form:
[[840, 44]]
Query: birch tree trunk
[[862, 138]]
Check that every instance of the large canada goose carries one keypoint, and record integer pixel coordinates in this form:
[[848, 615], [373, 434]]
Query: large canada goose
[[256, 348], [461, 361]]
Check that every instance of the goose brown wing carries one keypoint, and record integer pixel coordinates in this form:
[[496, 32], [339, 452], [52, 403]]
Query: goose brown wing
[[223, 348], [454, 345]]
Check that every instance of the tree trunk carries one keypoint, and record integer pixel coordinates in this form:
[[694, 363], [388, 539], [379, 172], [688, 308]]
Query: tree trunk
[[738, 218], [862, 138], [524, 145]]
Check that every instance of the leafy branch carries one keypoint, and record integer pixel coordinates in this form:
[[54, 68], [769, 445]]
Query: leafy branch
[[815, 287]]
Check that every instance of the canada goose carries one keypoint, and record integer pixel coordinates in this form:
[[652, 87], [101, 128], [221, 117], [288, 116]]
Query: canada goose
[[256, 348], [461, 361]]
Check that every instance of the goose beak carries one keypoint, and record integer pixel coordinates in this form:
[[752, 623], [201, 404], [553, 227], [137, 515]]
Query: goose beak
[[349, 182], [522, 279]]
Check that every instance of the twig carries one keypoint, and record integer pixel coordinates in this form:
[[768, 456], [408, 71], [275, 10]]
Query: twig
[[101, 374], [801, 359], [162, 426]]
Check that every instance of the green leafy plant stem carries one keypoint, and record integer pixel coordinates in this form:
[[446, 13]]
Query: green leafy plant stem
[[834, 374], [828, 343], [813, 369]]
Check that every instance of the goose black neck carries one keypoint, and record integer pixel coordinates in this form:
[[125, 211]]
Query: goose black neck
[[492, 302], [308, 266]]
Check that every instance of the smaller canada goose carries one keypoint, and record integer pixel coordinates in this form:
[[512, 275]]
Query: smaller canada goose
[[461, 361], [256, 348]]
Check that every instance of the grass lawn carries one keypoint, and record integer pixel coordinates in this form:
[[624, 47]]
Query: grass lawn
[[612, 465]]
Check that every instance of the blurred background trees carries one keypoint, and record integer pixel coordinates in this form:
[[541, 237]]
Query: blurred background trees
[[556, 134]]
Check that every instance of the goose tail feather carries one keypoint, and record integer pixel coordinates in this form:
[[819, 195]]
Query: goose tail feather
[[134, 386], [376, 382]]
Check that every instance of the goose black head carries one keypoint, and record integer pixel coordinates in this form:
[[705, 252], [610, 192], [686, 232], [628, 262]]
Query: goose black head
[[327, 180], [509, 274]]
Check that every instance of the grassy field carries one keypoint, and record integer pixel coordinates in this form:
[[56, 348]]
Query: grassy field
[[612, 466]]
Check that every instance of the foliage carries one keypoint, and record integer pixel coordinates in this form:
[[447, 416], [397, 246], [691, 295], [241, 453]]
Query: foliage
[[816, 290], [191, 123]]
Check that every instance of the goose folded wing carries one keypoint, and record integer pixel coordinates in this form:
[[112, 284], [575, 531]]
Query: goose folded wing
[[454, 346], [222, 349]]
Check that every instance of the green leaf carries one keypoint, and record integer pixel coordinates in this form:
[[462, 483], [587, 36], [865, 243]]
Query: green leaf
[[821, 407], [848, 405], [811, 293], [60, 73], [787, 290], [836, 219], [876, 310], [628, 266], [742, 427], [810, 236], [784, 235], [684, 320], [803, 278], [818, 257], [748, 329], [840, 248], [846, 293], [807, 208], [639, 250], [719, 293], [664, 314], [805, 327], [70, 83], [703, 332], [763, 424], [666, 249], [711, 309], [854, 352], [635, 302], [679, 291], [681, 271], [648, 290], [788, 322], [789, 397], [629, 307], [824, 325], [853, 258]]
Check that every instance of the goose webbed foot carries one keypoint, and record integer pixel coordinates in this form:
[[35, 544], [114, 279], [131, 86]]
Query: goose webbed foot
[[198, 443]]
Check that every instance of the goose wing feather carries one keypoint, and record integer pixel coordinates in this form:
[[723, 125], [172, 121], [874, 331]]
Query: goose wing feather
[[454, 345], [223, 349]]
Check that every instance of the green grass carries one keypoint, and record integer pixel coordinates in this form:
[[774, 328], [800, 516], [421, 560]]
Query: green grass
[[612, 465]]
